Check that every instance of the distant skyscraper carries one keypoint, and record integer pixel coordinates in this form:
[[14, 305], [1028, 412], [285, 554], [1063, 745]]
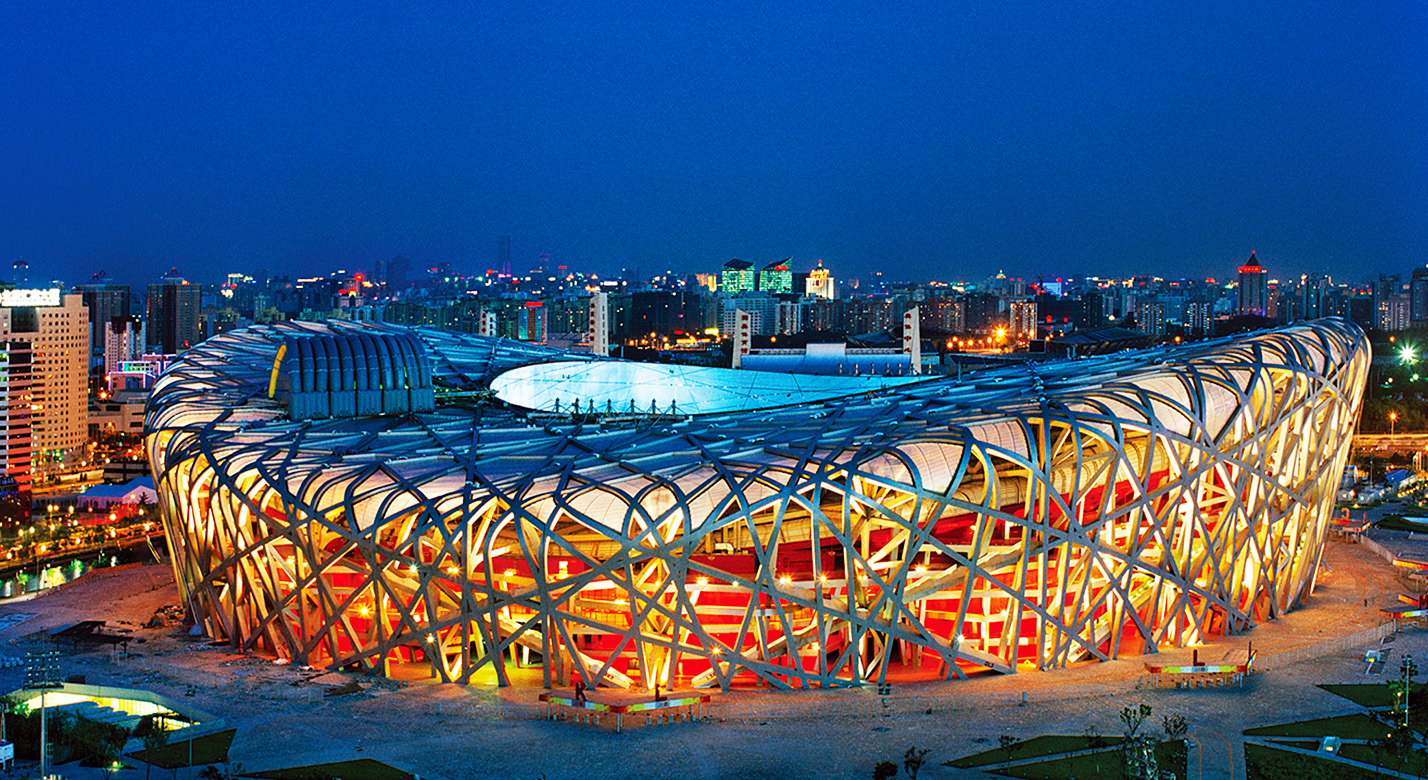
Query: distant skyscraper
[[820, 283], [105, 299], [172, 324], [503, 256], [1314, 290], [776, 278], [20, 274], [1418, 298], [394, 275], [1254, 288], [736, 276]]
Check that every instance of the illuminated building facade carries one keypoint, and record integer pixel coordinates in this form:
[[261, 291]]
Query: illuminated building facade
[[737, 276], [453, 504], [820, 283], [776, 278], [1254, 288], [55, 325]]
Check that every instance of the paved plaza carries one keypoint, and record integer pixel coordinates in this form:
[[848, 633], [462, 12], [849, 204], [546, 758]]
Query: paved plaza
[[447, 731]]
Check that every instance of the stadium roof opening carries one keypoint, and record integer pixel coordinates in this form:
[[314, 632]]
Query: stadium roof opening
[[610, 386]]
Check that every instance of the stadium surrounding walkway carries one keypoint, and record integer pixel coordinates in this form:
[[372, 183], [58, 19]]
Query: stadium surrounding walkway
[[284, 717]]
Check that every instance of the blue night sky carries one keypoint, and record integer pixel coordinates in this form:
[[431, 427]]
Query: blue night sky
[[940, 140]]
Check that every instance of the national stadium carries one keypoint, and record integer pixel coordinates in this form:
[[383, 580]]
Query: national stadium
[[419, 503]]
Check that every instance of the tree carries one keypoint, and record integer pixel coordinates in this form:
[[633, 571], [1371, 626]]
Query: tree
[[1133, 717], [154, 737], [1009, 744], [884, 770], [224, 771], [1174, 726], [913, 760]]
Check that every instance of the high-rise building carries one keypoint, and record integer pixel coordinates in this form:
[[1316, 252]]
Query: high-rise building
[[1254, 288], [820, 283], [393, 275], [736, 276], [1022, 318], [776, 278], [1418, 298], [533, 323], [123, 341], [173, 322], [56, 326], [15, 412], [105, 299], [503, 256]]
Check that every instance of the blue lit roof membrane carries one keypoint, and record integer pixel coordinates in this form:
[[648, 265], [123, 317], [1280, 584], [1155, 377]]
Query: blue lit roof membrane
[[609, 386]]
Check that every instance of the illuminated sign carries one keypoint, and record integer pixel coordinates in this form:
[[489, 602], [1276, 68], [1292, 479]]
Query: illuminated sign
[[30, 297], [135, 367]]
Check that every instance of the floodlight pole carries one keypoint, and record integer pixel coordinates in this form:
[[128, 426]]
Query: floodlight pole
[[43, 673]]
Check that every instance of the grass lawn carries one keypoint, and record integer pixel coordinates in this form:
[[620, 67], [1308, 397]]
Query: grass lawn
[[1266, 763], [1104, 765], [1412, 763], [1396, 522], [208, 749], [1031, 748], [1356, 726], [1366, 694], [361, 769]]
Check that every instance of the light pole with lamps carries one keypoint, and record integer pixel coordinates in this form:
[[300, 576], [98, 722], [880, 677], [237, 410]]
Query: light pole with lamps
[[1392, 422], [42, 673]]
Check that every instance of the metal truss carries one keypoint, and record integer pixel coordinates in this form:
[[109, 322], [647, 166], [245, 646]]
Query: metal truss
[[1032, 516]]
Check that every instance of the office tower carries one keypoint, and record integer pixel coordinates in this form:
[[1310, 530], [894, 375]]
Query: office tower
[[56, 326], [1254, 288], [736, 276], [106, 300], [820, 283], [776, 278], [172, 324], [503, 256], [15, 412], [393, 275], [532, 323], [1418, 298]]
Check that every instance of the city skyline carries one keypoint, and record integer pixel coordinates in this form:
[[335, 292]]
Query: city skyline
[[944, 144]]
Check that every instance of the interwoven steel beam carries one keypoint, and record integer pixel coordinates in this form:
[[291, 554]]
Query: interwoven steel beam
[[1028, 516]]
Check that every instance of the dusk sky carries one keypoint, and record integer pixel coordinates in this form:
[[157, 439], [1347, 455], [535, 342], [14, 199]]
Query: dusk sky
[[931, 141]]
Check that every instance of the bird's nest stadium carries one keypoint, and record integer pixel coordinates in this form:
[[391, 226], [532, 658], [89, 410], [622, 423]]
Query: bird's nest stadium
[[423, 503]]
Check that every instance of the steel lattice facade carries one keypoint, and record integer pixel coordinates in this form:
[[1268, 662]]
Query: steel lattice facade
[[1032, 516]]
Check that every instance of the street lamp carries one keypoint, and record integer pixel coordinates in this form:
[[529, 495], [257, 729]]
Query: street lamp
[[1392, 422]]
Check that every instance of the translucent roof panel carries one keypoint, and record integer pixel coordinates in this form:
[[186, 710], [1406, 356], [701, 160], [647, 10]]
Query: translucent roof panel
[[685, 390]]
